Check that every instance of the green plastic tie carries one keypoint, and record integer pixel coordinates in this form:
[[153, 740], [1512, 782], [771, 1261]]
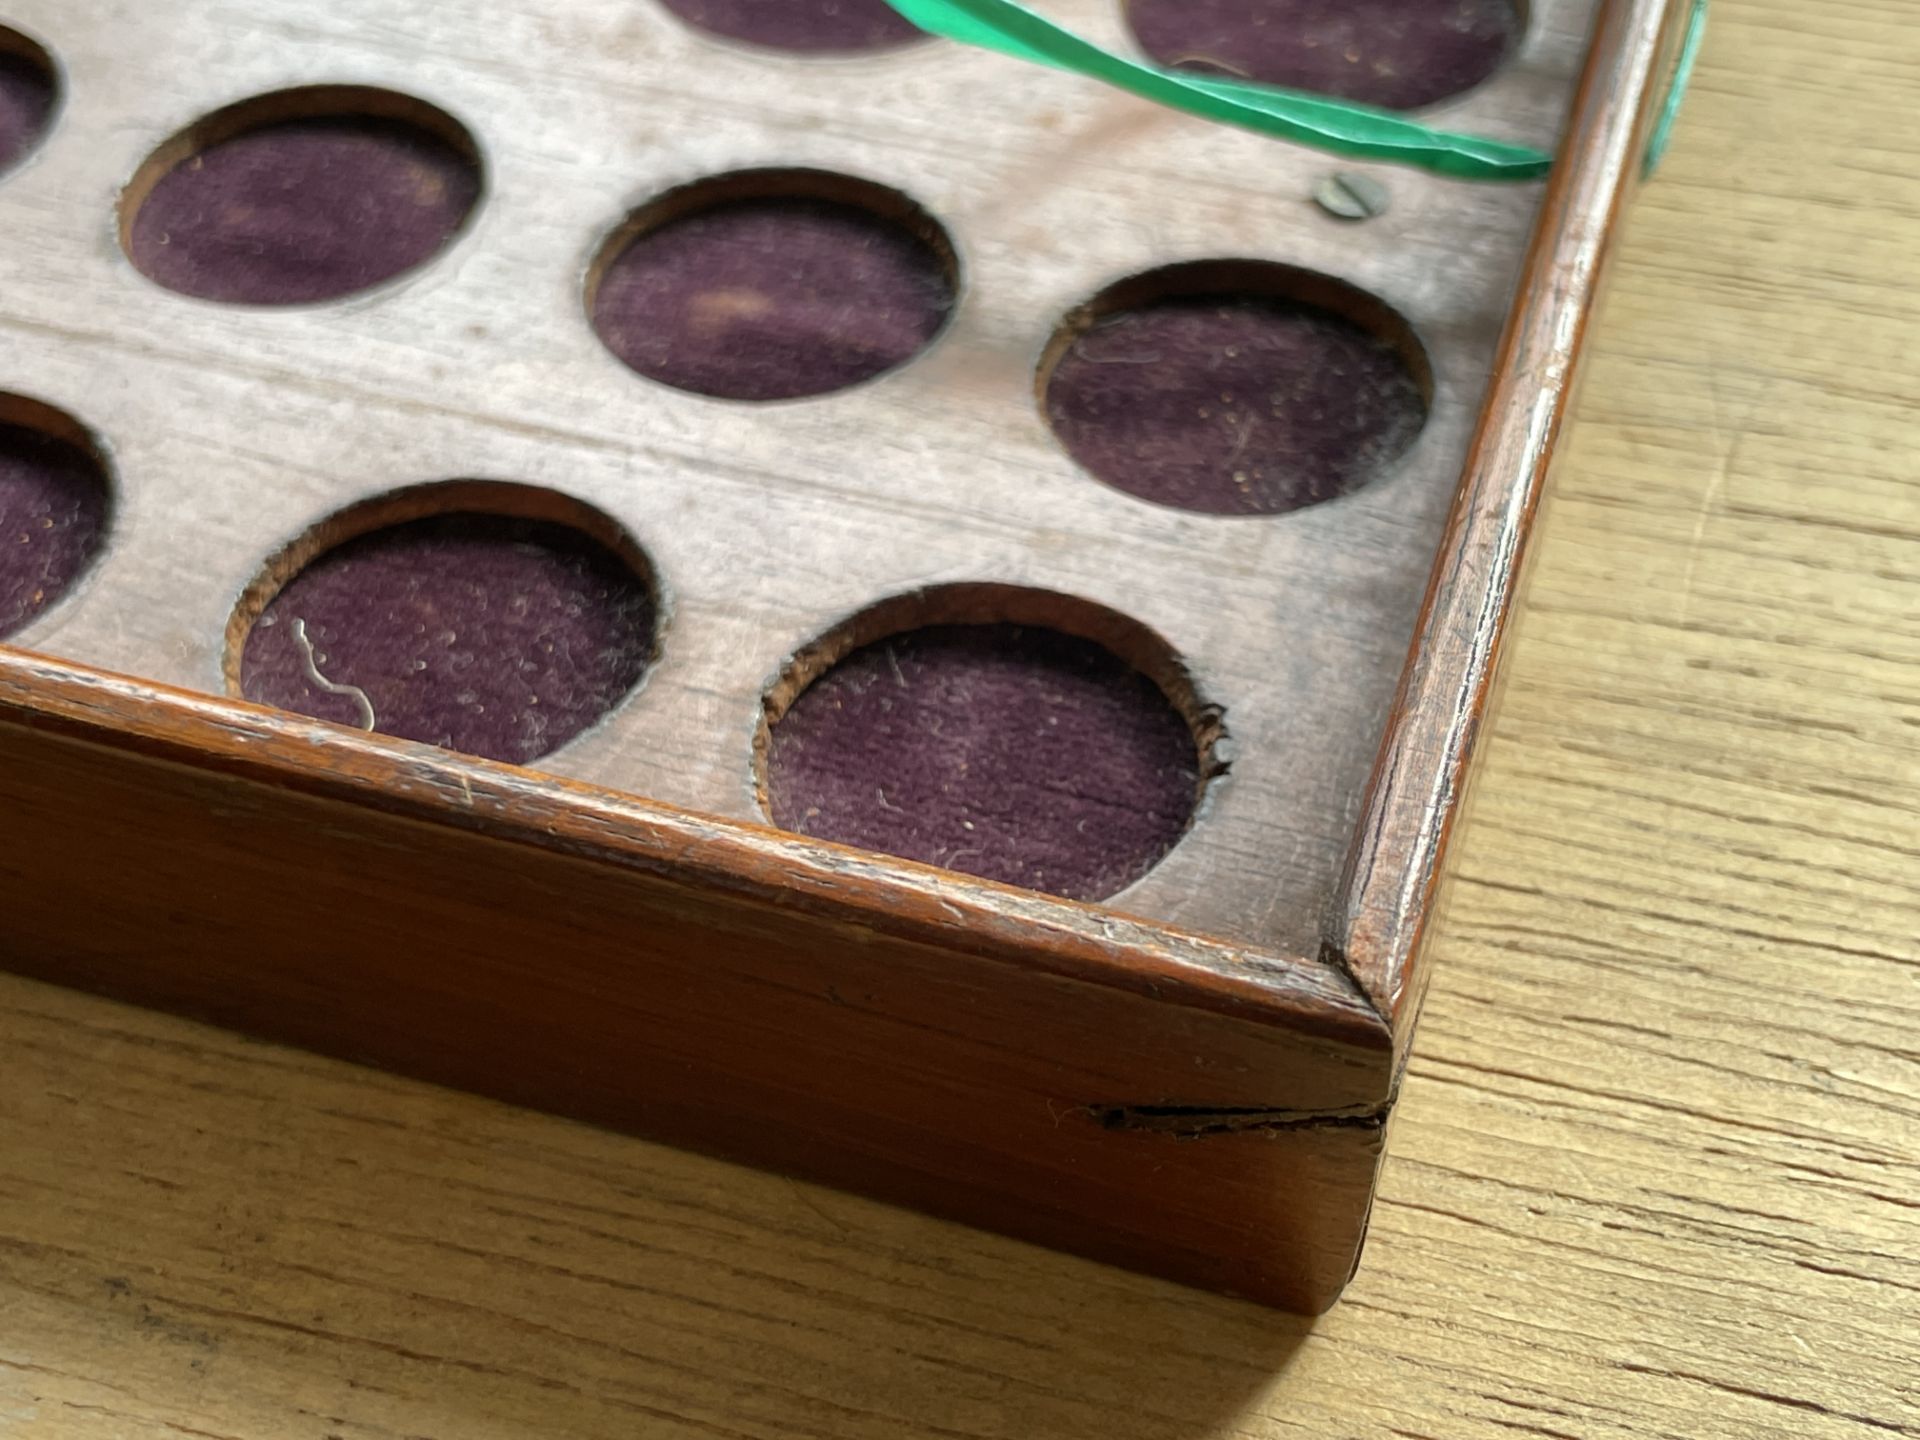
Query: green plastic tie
[[1341, 127], [1677, 92]]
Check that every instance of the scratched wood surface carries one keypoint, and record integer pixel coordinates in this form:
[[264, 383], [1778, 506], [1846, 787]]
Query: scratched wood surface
[[1655, 1172]]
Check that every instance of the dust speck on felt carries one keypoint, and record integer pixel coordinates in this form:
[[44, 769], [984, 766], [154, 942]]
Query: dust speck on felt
[[303, 211], [772, 299], [497, 637], [53, 512], [1233, 406], [803, 26], [1399, 54], [1013, 753]]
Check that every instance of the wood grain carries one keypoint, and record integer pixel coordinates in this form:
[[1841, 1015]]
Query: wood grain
[[1654, 1169]]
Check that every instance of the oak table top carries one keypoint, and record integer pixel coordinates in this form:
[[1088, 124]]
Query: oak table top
[[1657, 1167]]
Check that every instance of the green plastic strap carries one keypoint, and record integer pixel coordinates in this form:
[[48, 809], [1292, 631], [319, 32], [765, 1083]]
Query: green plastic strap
[[1677, 92], [1338, 126]]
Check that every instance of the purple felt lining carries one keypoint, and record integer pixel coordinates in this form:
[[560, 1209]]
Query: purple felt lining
[[772, 299], [1233, 406], [303, 211], [807, 26], [1400, 54], [495, 636], [53, 513], [26, 101], [1014, 753]]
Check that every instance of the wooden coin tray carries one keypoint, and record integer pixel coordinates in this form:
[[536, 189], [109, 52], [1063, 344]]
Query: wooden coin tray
[[1192, 1078]]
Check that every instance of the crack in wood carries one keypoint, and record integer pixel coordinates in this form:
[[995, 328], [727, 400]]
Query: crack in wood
[[1198, 1122]]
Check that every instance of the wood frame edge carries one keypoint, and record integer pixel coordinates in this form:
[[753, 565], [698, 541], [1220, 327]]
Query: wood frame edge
[[760, 866], [1386, 902]]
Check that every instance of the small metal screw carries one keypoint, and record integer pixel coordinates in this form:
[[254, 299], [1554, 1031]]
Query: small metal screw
[[1348, 196]]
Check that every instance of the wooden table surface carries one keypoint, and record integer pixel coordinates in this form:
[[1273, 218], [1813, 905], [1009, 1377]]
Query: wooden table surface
[[1657, 1170]]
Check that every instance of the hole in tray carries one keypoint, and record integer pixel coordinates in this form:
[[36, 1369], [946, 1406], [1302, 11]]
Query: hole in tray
[[301, 196], [29, 95], [1017, 735], [1398, 54], [1235, 387], [807, 27], [495, 619], [56, 498], [773, 284]]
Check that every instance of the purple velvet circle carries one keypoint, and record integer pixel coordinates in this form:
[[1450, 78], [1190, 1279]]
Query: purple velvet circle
[[1009, 752], [54, 499], [1233, 406], [772, 299], [1400, 54], [303, 211], [814, 27], [27, 94], [486, 634]]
